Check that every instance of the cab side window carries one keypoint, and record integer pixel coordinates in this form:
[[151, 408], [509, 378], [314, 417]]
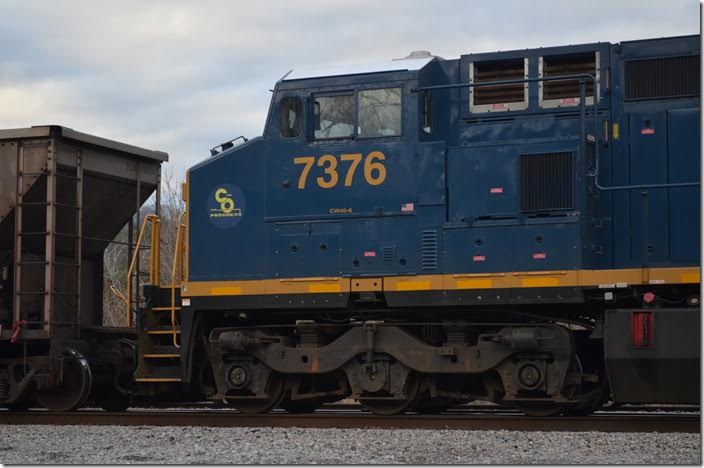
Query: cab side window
[[334, 116], [291, 113], [379, 113], [427, 112]]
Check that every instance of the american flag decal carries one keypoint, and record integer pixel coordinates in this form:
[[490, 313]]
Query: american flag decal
[[407, 207]]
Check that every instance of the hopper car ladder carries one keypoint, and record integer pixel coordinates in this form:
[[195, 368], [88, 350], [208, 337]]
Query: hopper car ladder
[[47, 322]]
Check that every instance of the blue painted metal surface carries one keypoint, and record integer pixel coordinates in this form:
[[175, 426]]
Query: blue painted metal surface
[[450, 198]]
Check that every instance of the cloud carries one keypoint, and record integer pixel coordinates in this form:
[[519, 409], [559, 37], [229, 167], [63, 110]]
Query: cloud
[[184, 76]]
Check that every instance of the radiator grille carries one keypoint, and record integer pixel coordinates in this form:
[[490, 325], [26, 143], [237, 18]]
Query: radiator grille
[[499, 71], [568, 65], [546, 182], [662, 77], [429, 250]]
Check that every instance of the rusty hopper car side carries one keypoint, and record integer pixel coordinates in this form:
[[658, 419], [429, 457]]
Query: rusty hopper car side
[[64, 195]]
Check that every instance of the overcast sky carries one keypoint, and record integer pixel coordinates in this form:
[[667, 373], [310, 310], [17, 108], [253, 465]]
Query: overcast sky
[[184, 76]]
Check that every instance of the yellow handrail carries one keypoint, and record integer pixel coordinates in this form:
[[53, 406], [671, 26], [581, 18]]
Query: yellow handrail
[[118, 294], [176, 266], [154, 219]]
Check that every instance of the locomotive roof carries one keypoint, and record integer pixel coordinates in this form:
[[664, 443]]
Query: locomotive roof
[[387, 66]]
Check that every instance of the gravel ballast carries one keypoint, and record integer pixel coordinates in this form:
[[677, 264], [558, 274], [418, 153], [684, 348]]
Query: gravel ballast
[[142, 445]]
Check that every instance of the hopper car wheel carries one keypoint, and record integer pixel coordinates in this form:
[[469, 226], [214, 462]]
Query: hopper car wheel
[[391, 407], [275, 393], [75, 387]]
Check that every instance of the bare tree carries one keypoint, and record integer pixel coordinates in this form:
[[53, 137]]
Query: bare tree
[[115, 257]]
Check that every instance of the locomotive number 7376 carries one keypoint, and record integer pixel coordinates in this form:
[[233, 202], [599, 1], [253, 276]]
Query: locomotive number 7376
[[374, 169]]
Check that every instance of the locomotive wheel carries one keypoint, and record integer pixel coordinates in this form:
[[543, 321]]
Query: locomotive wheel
[[275, 393], [600, 396], [550, 408], [390, 407], [75, 387]]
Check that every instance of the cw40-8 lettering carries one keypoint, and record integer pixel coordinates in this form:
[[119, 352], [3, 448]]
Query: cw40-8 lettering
[[374, 169]]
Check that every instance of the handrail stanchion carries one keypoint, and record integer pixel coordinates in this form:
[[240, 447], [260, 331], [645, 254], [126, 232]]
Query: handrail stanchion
[[135, 260], [176, 267]]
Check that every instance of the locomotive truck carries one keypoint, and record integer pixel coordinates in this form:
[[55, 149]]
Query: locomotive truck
[[519, 226]]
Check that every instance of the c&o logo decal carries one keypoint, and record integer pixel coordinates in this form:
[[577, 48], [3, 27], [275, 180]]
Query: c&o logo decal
[[226, 206]]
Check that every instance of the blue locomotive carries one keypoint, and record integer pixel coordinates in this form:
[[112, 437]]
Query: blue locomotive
[[518, 226]]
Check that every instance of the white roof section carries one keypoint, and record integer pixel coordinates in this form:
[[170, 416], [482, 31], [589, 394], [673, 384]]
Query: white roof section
[[411, 64]]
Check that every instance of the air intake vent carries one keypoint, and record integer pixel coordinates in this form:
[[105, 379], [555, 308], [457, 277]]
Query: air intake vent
[[387, 253], [568, 65], [502, 97], [546, 182], [429, 250], [662, 77]]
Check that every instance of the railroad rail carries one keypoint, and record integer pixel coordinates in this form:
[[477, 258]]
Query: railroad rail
[[356, 419]]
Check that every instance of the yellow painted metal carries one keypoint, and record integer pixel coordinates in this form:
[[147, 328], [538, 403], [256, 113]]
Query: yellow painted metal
[[162, 356], [226, 291], [149, 219], [177, 274], [413, 285], [475, 283], [461, 281], [324, 288], [154, 379], [163, 332], [540, 282], [367, 284], [118, 294], [690, 278], [185, 196], [155, 254]]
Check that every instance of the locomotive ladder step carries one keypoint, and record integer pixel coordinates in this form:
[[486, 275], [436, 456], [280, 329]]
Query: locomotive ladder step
[[162, 356], [161, 309], [157, 379], [163, 332]]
